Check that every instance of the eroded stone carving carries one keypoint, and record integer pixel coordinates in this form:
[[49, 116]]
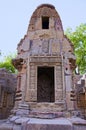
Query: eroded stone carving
[[45, 46]]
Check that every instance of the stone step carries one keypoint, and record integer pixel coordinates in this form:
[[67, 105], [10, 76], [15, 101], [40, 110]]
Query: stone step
[[46, 115], [49, 124], [18, 123]]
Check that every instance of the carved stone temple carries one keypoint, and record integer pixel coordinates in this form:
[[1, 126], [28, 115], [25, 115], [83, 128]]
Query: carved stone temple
[[45, 64]]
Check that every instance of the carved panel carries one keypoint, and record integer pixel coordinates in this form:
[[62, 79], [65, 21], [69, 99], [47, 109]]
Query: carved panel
[[45, 59], [32, 76], [32, 95], [54, 48], [45, 46]]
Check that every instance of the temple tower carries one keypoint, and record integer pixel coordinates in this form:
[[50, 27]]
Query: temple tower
[[45, 63]]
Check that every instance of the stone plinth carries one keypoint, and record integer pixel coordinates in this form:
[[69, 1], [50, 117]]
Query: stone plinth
[[37, 124], [23, 123]]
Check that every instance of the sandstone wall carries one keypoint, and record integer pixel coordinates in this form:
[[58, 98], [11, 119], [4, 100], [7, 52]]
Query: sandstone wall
[[7, 92]]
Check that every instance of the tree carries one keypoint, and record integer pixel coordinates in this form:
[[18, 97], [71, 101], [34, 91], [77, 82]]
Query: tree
[[0, 52], [78, 38], [7, 63]]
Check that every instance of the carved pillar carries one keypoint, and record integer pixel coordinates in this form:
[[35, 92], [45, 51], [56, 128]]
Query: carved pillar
[[31, 91], [58, 84], [19, 82]]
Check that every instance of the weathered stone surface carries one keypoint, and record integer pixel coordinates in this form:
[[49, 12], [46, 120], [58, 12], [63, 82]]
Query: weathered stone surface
[[44, 47], [80, 92], [46, 115], [45, 124], [40, 127], [5, 126], [54, 124], [17, 127], [21, 120], [23, 110], [8, 82], [14, 118], [79, 127], [77, 121]]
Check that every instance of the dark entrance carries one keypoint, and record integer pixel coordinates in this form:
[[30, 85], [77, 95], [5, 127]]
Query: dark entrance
[[45, 22], [45, 84]]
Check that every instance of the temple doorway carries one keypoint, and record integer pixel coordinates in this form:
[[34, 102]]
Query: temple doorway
[[45, 84]]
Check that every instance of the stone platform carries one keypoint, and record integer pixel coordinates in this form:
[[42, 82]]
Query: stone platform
[[23, 123]]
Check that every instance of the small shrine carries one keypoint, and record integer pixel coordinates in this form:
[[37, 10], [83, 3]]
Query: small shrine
[[45, 62]]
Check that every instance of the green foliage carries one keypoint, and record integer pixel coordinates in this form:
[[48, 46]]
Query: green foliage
[[7, 63], [78, 38]]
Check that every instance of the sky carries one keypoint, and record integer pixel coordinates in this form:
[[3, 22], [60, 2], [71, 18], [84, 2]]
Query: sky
[[15, 16]]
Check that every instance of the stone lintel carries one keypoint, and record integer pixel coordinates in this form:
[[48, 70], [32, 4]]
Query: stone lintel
[[44, 59]]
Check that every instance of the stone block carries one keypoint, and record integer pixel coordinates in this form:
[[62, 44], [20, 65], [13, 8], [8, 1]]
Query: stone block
[[21, 120], [79, 127], [16, 127], [46, 124], [14, 118], [5, 126], [22, 112]]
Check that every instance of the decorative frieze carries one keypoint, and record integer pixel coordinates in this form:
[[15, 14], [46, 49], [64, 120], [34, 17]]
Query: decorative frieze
[[45, 59]]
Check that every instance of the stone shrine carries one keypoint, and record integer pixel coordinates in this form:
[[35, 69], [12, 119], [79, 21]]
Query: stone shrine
[[45, 64]]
